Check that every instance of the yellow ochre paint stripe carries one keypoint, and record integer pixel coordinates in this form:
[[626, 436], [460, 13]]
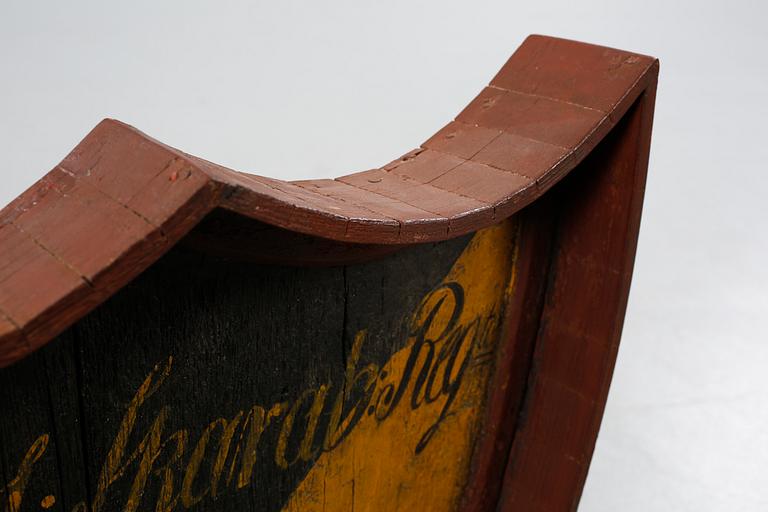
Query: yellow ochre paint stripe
[[378, 466]]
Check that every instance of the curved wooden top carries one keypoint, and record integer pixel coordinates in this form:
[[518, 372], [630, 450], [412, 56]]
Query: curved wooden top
[[121, 199]]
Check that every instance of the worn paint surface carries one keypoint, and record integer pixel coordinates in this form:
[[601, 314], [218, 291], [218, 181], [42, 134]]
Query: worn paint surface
[[248, 398], [412, 451], [392, 433]]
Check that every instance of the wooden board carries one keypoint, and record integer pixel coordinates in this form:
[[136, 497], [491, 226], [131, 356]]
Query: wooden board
[[258, 387], [546, 109], [437, 333]]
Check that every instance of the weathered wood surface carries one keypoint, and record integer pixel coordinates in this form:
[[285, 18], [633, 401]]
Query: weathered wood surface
[[212, 385], [435, 334], [547, 108]]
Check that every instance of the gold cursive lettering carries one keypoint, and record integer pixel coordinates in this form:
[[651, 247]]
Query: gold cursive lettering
[[112, 468], [16, 487]]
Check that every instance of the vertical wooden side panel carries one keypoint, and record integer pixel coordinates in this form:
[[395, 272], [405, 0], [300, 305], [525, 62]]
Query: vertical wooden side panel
[[517, 340], [582, 320]]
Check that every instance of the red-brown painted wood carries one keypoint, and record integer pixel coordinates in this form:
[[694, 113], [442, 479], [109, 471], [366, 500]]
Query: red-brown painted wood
[[120, 200], [581, 323], [550, 104]]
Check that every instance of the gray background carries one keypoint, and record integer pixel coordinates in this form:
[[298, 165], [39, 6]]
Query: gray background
[[325, 88]]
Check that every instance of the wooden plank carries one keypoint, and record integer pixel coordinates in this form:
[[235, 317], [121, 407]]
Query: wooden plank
[[530, 116], [328, 202], [404, 158], [6, 326], [577, 346], [260, 201], [585, 75], [341, 377], [119, 160], [462, 140], [251, 320], [66, 221], [381, 204], [382, 477], [34, 285], [196, 336], [521, 155], [40, 450], [482, 182], [173, 191], [27, 458], [62, 379], [522, 317], [426, 166], [423, 196], [16, 344], [358, 215], [239, 238], [414, 223], [162, 197]]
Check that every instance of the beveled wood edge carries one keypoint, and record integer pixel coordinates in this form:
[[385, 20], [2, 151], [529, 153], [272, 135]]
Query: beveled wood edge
[[162, 193], [342, 216]]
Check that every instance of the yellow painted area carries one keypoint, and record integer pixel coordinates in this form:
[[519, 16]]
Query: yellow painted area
[[149, 448], [413, 454], [395, 437]]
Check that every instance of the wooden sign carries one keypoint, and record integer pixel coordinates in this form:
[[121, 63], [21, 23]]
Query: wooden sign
[[435, 334]]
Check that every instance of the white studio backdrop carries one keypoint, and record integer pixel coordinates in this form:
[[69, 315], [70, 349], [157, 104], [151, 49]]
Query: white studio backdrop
[[319, 89]]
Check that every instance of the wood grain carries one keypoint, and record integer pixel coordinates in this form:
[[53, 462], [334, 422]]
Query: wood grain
[[550, 104], [241, 337], [582, 319], [151, 267]]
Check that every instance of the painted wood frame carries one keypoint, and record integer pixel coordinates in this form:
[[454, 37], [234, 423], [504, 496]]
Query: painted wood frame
[[513, 227]]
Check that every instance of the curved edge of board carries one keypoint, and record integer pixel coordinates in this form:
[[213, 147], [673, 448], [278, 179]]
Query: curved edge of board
[[564, 325], [121, 199]]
